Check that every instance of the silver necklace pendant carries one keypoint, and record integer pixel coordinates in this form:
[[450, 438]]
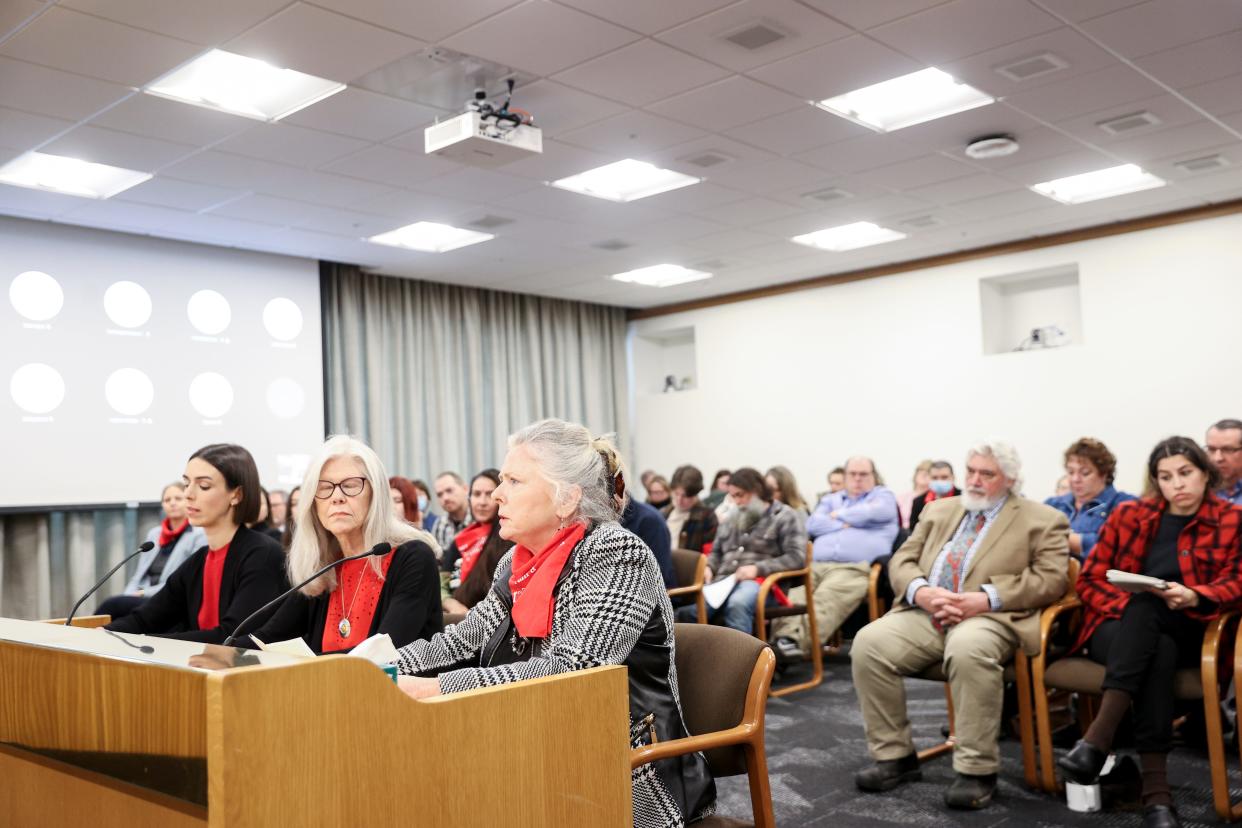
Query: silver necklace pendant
[[343, 628]]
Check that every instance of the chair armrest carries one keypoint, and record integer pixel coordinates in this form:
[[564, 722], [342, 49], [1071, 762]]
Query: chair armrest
[[770, 581], [686, 590], [1215, 637], [689, 744], [1048, 617]]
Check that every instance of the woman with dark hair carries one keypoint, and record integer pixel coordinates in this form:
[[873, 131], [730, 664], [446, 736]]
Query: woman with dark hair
[[1188, 538], [234, 573], [1089, 469], [264, 524], [286, 536], [691, 523], [470, 561], [719, 490]]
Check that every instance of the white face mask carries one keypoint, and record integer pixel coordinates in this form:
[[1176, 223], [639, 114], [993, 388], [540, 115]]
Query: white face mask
[[422, 503]]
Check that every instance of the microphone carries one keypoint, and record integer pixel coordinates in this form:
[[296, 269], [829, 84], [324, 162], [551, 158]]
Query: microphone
[[379, 549], [145, 649], [147, 546]]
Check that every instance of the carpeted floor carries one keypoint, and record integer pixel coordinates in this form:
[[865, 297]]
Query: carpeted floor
[[815, 744]]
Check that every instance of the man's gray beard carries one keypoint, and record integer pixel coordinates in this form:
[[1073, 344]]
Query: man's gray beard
[[745, 519], [972, 503]]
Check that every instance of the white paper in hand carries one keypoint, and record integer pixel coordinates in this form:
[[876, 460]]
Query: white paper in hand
[[715, 593], [378, 649], [293, 647], [1134, 582]]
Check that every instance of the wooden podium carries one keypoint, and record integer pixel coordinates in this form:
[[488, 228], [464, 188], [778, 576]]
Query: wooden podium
[[94, 731]]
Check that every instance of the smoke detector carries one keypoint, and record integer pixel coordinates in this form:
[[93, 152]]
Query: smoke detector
[[992, 146]]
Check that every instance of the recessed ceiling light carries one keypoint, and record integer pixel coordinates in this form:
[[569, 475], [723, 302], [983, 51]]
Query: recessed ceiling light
[[661, 275], [849, 236], [243, 86], [1106, 183], [626, 180], [430, 237], [905, 101], [73, 176]]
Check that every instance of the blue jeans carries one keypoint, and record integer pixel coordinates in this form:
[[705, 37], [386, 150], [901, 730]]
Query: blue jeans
[[738, 610]]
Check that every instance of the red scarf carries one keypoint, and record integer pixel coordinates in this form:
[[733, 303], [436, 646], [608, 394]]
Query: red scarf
[[469, 544], [169, 534], [213, 574], [533, 580]]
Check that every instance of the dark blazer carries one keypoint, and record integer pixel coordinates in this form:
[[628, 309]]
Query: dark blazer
[[408, 608], [916, 508], [646, 522], [254, 573], [699, 529]]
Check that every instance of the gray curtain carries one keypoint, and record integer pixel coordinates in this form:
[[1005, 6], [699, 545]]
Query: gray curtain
[[435, 376]]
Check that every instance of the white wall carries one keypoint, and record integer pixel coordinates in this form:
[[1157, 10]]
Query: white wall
[[894, 367]]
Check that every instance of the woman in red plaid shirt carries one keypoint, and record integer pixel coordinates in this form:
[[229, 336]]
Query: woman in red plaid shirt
[[1189, 538]]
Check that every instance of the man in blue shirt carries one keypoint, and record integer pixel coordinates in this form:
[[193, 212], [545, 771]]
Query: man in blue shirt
[[849, 530], [1090, 468], [1224, 447]]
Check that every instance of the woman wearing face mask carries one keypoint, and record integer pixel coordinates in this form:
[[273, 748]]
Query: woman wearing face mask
[[939, 486], [657, 492], [175, 540], [230, 576], [470, 561], [424, 505], [1188, 537], [1090, 468]]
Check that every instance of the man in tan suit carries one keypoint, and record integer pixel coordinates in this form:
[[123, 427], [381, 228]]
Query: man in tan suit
[[970, 582]]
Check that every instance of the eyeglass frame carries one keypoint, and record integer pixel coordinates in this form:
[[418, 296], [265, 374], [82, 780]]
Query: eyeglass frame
[[1228, 451], [341, 485]]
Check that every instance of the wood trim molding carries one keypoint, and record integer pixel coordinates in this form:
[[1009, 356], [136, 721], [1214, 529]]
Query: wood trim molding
[[1208, 211]]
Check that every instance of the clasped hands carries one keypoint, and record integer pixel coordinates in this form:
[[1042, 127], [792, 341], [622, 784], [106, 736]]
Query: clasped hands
[[947, 608], [1178, 596]]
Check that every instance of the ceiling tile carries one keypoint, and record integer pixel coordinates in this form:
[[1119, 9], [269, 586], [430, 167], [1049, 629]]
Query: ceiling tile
[[305, 216], [1218, 97], [732, 240], [647, 16], [963, 28], [480, 185], [16, 12], [163, 191], [683, 157], [558, 108], [842, 66], [561, 205], [727, 103], [962, 189], [120, 149], [366, 115], [1081, 55], [387, 165], [856, 188], [677, 229], [1034, 143], [798, 130], [426, 21], [171, 121], [86, 45], [917, 172], [51, 92], [207, 24], [290, 144], [22, 201], [641, 73], [540, 37], [1078, 11], [1086, 93], [802, 28], [1166, 167], [1003, 204], [1059, 166], [631, 135], [873, 12], [862, 153], [322, 43], [1197, 62], [766, 177], [700, 197], [1170, 110], [1163, 24], [557, 160], [1181, 140], [122, 215], [953, 133], [405, 206], [750, 212], [25, 130]]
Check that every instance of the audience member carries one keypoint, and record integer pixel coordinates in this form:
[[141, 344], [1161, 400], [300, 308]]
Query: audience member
[[760, 536], [784, 488], [940, 484], [1091, 468], [424, 505], [1224, 447], [396, 593], [649, 525], [836, 482], [968, 582], [1143, 638], [471, 559], [577, 591], [658, 493], [278, 499], [1063, 486], [175, 540], [263, 524], [690, 521], [720, 488], [905, 501], [233, 574], [286, 537], [645, 478], [848, 530], [454, 498], [405, 500]]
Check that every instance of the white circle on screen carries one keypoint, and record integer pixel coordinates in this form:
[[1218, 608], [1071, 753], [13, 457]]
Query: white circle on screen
[[209, 312], [211, 395], [283, 319], [129, 391], [285, 398], [37, 388], [127, 304], [36, 296]]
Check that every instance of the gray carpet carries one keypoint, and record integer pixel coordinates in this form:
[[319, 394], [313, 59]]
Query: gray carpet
[[815, 744]]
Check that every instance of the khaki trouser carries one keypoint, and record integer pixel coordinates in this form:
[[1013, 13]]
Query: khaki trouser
[[839, 589], [905, 643]]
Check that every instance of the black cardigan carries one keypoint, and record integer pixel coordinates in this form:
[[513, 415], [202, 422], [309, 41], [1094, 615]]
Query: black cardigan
[[408, 608], [254, 573]]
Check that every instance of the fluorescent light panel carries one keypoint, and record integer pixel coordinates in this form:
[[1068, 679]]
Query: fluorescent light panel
[[848, 236], [243, 86], [905, 101], [1106, 183], [72, 176], [661, 275], [626, 180], [430, 237]]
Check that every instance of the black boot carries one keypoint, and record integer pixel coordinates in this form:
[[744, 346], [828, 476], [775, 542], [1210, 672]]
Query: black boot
[[970, 792], [886, 775], [1083, 763], [1160, 816]]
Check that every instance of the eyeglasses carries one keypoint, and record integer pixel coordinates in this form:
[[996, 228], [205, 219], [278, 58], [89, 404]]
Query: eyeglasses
[[1228, 451], [350, 487]]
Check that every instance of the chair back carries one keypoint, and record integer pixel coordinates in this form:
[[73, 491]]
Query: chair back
[[688, 566], [723, 676]]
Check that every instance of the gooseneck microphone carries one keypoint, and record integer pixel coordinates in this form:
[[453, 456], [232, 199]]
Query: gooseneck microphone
[[147, 546], [378, 549]]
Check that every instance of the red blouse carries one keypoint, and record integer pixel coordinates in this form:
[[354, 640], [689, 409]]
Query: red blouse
[[360, 588], [213, 573]]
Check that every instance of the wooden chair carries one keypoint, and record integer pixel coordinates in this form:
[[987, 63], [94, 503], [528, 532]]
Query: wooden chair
[[879, 593], [724, 676], [689, 566], [764, 613], [1085, 677]]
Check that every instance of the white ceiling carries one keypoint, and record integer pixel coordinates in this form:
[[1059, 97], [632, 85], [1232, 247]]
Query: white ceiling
[[649, 79]]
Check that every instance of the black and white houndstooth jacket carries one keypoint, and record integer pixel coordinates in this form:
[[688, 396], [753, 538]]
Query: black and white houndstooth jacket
[[611, 608]]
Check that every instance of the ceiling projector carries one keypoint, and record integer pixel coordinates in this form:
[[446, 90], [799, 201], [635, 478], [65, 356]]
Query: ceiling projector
[[485, 135]]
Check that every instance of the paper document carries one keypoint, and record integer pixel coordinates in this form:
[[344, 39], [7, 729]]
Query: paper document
[[294, 647], [378, 649], [716, 592], [1134, 582]]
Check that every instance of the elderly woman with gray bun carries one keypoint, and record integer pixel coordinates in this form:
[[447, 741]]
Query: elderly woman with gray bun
[[577, 591]]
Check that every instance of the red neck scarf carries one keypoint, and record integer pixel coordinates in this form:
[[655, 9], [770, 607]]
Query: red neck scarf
[[469, 544], [168, 534], [533, 581]]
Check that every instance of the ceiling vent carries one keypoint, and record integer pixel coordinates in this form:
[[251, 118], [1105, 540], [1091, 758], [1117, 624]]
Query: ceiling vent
[[612, 244], [711, 158], [1032, 67], [923, 222], [1123, 124], [1207, 162], [755, 36], [828, 194], [489, 222]]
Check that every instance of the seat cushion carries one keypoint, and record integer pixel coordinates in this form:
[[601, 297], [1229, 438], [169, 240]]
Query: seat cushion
[[1086, 676]]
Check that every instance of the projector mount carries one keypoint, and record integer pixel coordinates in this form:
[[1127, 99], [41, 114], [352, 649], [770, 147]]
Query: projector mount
[[499, 119]]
